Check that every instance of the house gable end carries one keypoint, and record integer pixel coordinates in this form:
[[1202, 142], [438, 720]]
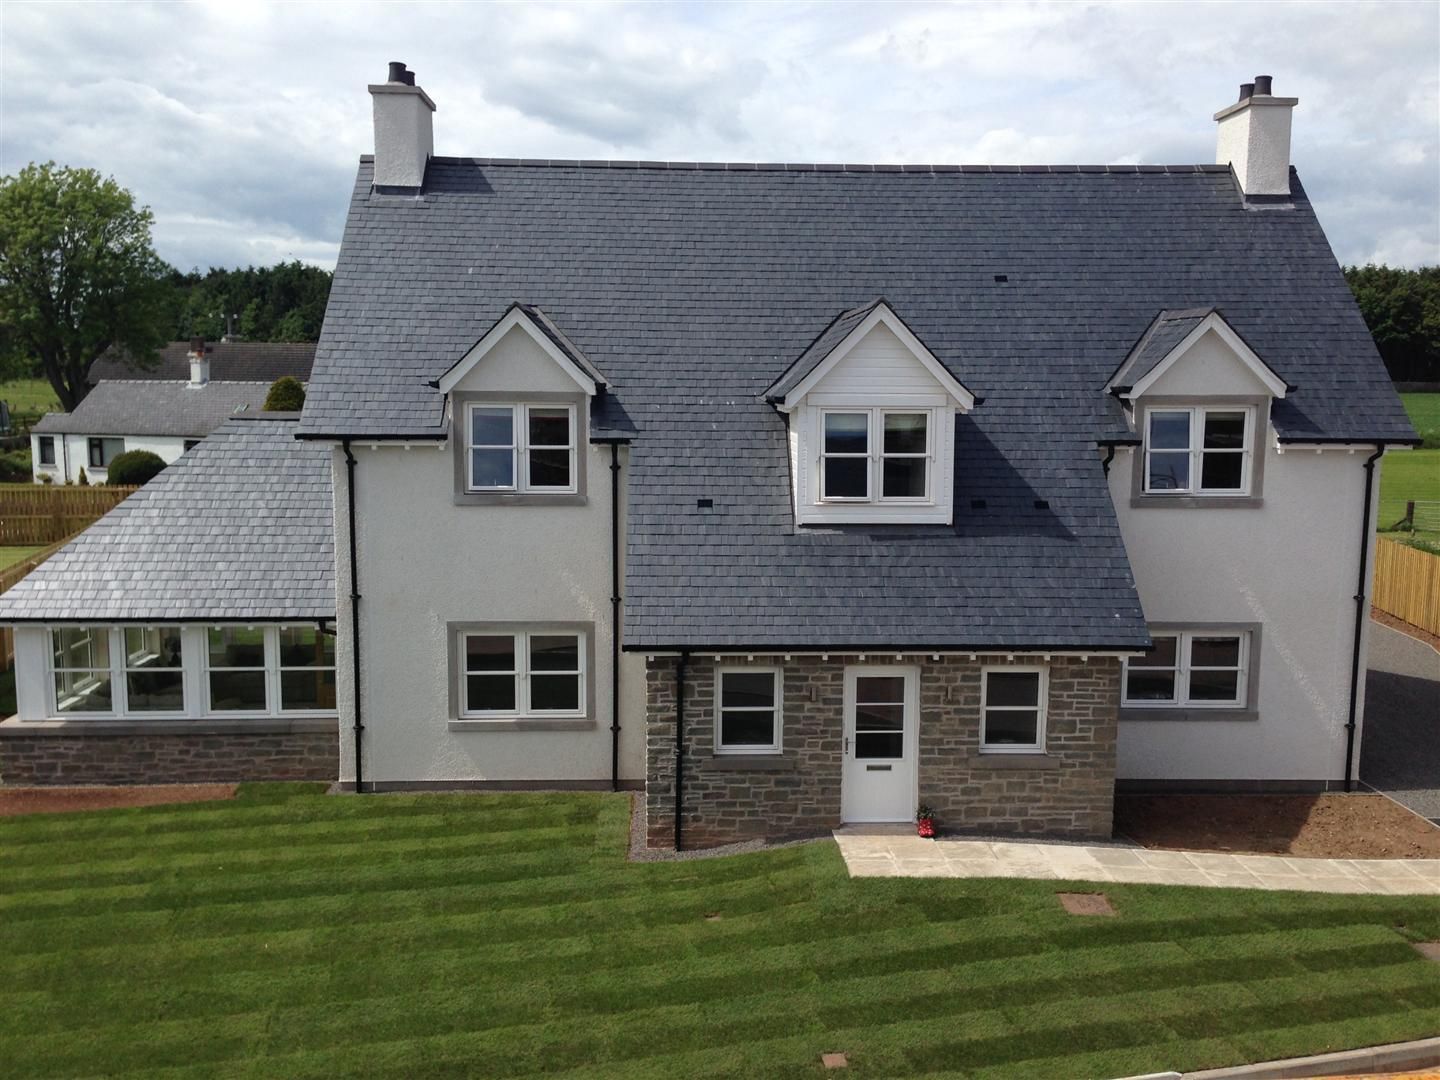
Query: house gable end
[[520, 325], [1211, 359]]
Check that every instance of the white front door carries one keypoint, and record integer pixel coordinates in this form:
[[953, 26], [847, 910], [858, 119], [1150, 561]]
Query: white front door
[[878, 781]]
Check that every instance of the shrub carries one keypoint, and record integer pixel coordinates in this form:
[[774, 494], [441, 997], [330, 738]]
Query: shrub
[[286, 395], [84, 480], [134, 467], [15, 467]]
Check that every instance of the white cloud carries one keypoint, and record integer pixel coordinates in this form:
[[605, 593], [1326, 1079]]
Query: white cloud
[[240, 123]]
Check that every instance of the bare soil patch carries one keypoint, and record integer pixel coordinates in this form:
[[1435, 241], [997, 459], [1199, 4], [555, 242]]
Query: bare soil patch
[[59, 800], [1317, 826]]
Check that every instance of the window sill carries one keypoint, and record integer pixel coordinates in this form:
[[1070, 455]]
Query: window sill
[[517, 498], [749, 763], [1183, 713], [1037, 762], [524, 723], [1198, 502], [260, 725]]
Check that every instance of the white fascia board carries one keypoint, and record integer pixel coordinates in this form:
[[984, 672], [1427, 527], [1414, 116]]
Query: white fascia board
[[513, 318], [1261, 370], [882, 314]]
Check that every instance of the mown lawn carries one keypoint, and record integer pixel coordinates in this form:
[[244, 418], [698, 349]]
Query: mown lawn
[[9, 556], [301, 935], [29, 396]]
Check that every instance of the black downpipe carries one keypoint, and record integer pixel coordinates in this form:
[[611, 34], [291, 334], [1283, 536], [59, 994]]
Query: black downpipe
[[679, 745], [1109, 457], [354, 616], [1361, 614], [614, 616]]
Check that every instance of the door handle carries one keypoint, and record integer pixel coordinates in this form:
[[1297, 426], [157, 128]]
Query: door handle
[[847, 744]]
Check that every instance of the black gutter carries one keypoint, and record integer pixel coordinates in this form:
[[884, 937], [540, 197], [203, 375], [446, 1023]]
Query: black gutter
[[881, 649], [354, 616], [679, 745], [1361, 613], [614, 616]]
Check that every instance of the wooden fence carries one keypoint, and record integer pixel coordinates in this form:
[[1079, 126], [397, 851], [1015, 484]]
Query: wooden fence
[[1407, 584], [41, 514], [9, 577]]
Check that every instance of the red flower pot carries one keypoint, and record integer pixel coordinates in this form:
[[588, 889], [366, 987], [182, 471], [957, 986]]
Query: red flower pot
[[926, 827]]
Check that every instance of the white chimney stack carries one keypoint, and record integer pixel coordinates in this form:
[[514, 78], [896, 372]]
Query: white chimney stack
[[199, 362], [1254, 139], [404, 138]]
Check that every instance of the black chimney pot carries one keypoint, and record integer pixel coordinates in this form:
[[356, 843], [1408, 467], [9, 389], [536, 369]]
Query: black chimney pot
[[397, 71], [1247, 89], [1262, 84]]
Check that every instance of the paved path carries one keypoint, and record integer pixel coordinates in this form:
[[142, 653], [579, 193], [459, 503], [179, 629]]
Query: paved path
[[895, 851], [1400, 743]]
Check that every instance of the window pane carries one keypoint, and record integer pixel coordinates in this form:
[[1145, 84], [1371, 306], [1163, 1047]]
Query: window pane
[[158, 690], [905, 433], [487, 652], [889, 689], [82, 647], [879, 745], [493, 426], [1222, 472], [549, 468], [549, 427], [1214, 685], [1004, 727], [304, 646], [152, 646], [490, 693], [904, 478], [492, 468], [747, 729], [559, 653], [112, 448], [554, 693], [313, 689], [1012, 688], [1169, 431], [879, 718], [1141, 685], [1224, 430], [1169, 472], [1163, 654], [847, 433], [1215, 652], [847, 478], [237, 646], [237, 691], [747, 688], [82, 692], [47, 450]]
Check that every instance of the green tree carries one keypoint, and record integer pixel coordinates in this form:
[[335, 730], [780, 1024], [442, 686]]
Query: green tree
[[78, 276], [1402, 310], [285, 302], [286, 395]]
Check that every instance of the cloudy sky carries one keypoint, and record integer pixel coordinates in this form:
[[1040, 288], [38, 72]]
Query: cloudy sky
[[239, 123]]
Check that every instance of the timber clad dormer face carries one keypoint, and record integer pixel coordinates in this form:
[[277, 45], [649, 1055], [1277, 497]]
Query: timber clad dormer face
[[871, 413]]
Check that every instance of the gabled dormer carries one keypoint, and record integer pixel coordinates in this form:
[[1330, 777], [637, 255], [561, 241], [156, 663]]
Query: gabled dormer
[[871, 414], [1199, 398], [518, 403]]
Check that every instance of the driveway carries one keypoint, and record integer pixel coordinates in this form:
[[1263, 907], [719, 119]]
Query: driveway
[[1400, 746]]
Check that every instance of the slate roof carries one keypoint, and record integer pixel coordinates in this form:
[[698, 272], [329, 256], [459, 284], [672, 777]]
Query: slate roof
[[820, 348], [124, 407], [694, 288], [230, 361], [240, 528], [1168, 330]]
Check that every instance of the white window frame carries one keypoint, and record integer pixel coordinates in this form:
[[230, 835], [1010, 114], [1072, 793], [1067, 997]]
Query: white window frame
[[522, 674], [126, 669], [875, 455], [519, 447], [777, 676], [90, 442], [42, 441], [1041, 707], [269, 668], [1196, 451], [281, 668], [1182, 698], [52, 670]]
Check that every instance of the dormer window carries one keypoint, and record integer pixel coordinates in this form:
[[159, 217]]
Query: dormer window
[[871, 414], [1198, 450], [875, 455], [521, 448]]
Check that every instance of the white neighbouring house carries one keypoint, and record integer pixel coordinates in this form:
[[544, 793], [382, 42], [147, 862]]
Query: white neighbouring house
[[167, 408], [800, 494]]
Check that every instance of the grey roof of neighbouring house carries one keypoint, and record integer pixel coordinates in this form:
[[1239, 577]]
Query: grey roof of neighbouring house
[[176, 409], [230, 361], [694, 288], [240, 528]]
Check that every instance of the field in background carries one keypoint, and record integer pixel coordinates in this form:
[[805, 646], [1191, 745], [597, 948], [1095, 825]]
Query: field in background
[[9, 556], [1407, 475], [1424, 413], [29, 396], [291, 933]]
